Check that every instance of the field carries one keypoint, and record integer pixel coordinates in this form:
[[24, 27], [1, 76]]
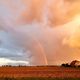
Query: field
[[41, 73]]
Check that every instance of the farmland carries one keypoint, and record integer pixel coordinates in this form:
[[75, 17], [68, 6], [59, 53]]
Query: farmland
[[40, 72]]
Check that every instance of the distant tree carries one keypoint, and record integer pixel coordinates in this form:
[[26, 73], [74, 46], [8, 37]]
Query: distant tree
[[73, 63], [19, 65], [65, 65]]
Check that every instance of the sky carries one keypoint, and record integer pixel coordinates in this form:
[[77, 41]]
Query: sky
[[39, 32]]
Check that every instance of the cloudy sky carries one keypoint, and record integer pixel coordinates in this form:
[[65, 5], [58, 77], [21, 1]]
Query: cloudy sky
[[39, 32]]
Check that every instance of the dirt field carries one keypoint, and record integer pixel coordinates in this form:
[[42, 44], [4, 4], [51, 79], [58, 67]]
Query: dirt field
[[54, 72]]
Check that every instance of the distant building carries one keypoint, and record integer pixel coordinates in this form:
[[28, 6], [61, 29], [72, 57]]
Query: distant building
[[75, 63]]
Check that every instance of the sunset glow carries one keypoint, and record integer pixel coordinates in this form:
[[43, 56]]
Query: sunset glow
[[43, 31]]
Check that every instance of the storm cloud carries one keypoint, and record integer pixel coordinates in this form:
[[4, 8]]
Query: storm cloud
[[40, 31]]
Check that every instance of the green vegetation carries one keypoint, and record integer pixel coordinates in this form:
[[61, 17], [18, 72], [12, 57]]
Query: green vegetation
[[39, 78]]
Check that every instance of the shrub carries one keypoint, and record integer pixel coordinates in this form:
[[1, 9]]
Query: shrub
[[65, 65]]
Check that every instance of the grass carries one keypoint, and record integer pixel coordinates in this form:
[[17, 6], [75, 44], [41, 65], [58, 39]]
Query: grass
[[31, 78], [37, 73]]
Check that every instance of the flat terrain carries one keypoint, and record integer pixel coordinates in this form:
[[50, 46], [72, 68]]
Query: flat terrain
[[51, 72]]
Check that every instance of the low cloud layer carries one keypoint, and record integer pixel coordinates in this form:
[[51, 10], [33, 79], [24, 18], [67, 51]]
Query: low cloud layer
[[5, 61]]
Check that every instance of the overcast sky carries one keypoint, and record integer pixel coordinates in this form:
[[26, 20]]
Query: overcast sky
[[39, 32]]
